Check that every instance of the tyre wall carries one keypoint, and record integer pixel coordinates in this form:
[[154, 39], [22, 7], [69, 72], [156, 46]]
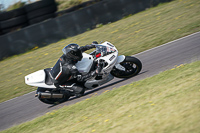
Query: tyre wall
[[13, 20], [70, 24]]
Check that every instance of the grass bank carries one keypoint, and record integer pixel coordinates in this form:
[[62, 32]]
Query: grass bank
[[131, 35], [168, 102], [64, 4]]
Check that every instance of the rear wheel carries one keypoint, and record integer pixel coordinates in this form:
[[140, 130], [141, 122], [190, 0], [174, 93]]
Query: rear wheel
[[132, 67], [52, 100]]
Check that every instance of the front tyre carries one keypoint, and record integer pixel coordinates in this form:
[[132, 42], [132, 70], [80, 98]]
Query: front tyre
[[132, 67]]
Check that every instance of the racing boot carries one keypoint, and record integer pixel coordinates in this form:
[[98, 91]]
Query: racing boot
[[78, 90]]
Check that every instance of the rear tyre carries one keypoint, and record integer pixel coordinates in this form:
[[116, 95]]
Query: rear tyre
[[132, 67], [52, 100]]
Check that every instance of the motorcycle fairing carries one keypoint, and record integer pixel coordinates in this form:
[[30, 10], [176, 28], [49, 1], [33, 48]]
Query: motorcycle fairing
[[85, 64], [91, 84], [109, 54]]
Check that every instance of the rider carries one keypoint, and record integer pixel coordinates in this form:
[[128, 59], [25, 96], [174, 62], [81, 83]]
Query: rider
[[65, 70]]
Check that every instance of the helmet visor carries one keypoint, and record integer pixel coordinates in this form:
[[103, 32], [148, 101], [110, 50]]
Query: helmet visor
[[75, 55]]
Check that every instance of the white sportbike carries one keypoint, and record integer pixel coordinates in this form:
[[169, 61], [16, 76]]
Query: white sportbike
[[115, 65]]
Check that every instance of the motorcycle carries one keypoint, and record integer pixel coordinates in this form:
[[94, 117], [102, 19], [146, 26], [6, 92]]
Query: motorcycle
[[115, 65]]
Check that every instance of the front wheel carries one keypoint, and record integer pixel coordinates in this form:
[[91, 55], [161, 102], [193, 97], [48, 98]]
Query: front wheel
[[132, 67]]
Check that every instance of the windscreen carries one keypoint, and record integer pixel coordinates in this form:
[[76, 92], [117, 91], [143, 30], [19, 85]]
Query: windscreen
[[103, 51]]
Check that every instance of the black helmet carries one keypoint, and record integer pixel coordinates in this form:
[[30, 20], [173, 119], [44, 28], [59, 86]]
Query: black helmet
[[73, 52]]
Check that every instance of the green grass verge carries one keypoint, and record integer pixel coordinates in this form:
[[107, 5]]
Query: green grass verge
[[131, 35], [166, 103]]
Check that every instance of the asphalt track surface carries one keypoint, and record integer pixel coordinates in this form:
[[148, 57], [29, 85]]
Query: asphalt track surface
[[156, 60]]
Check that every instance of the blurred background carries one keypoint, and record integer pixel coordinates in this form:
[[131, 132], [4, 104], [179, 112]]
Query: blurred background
[[7, 5], [36, 23], [4, 4]]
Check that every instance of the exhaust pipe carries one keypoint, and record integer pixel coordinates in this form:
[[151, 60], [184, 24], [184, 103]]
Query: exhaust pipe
[[48, 95]]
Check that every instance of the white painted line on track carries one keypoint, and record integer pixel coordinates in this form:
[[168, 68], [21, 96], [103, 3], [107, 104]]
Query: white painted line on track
[[167, 43], [16, 97]]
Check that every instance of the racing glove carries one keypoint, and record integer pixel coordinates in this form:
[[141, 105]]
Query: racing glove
[[100, 66], [94, 42]]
